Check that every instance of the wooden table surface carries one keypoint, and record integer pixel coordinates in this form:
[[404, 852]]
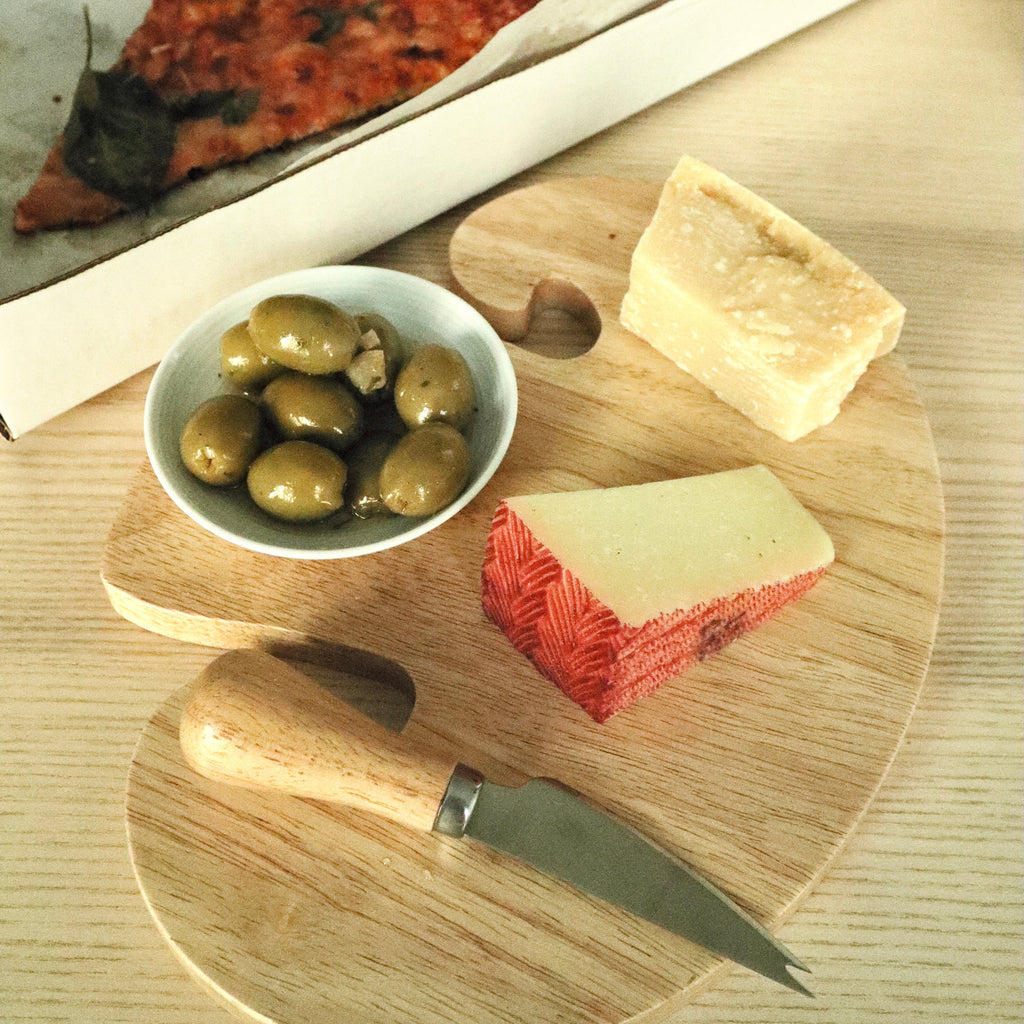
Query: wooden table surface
[[894, 130]]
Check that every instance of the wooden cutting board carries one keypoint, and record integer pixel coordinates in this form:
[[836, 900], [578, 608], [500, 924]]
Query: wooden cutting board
[[755, 766]]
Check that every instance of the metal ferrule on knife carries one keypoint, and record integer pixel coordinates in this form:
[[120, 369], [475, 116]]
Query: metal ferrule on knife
[[458, 802]]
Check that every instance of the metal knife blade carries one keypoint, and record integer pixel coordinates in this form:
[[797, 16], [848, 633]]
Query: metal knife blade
[[253, 720], [562, 834]]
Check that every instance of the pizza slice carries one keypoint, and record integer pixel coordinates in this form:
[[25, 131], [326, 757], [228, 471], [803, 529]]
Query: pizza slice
[[203, 83]]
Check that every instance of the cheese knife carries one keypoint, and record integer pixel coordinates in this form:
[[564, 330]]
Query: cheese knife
[[251, 719]]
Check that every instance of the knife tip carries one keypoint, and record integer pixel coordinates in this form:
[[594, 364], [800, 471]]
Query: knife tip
[[787, 978]]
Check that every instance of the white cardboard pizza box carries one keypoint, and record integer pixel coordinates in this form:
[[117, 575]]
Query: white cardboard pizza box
[[118, 312]]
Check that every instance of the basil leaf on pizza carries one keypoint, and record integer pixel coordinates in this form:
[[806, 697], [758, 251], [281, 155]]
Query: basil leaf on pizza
[[232, 107], [120, 135], [332, 21]]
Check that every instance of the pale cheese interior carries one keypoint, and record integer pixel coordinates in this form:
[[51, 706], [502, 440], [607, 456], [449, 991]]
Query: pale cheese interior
[[774, 320], [648, 549]]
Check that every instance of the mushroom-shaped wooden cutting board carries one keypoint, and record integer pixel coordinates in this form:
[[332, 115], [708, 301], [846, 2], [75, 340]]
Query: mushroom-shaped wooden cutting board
[[754, 767]]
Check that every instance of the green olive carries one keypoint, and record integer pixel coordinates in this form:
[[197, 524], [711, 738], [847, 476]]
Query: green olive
[[426, 470], [242, 363], [319, 409], [304, 333], [362, 490], [435, 384], [221, 438], [298, 481], [375, 365]]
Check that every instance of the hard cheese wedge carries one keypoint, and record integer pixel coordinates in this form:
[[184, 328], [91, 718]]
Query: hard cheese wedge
[[759, 309], [610, 592]]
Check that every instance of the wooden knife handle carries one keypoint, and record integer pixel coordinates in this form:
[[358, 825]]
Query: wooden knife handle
[[252, 719]]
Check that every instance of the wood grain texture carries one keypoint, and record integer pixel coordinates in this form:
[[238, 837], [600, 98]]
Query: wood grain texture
[[893, 129], [755, 766]]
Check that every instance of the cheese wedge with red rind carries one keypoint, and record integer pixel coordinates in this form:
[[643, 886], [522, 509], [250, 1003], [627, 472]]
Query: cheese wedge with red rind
[[612, 591]]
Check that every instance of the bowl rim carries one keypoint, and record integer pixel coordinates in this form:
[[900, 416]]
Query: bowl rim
[[312, 281]]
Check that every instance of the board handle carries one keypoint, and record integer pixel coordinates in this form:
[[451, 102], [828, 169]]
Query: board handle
[[251, 719]]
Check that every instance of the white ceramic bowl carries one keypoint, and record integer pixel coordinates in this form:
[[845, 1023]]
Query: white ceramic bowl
[[422, 312]]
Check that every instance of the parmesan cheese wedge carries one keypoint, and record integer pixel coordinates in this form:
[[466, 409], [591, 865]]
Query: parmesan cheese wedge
[[610, 592], [771, 318]]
